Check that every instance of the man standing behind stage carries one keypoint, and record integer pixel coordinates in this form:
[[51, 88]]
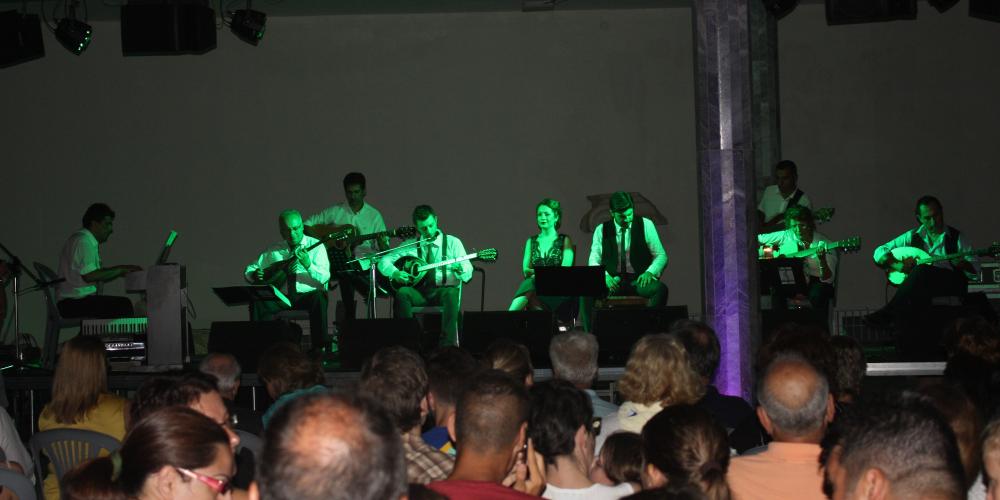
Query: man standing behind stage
[[441, 286], [777, 198], [304, 280], [366, 219], [80, 265], [631, 254], [924, 281]]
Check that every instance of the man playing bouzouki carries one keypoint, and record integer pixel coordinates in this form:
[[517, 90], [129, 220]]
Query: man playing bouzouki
[[922, 282], [365, 219], [298, 266], [440, 286]]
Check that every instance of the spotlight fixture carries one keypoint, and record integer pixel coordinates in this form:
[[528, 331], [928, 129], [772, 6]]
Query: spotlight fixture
[[248, 25], [74, 35]]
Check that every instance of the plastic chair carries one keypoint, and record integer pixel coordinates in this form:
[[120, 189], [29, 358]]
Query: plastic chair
[[54, 322], [17, 483], [249, 441], [67, 448]]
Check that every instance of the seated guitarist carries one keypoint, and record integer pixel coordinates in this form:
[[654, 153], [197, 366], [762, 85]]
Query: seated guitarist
[[945, 278], [301, 273], [777, 198], [366, 219], [441, 286], [801, 234]]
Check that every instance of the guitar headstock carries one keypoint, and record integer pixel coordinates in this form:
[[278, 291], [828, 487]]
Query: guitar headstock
[[487, 255], [850, 244], [403, 232]]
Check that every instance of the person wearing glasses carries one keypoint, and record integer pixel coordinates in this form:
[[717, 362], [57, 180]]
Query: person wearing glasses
[[173, 453], [630, 251], [563, 428]]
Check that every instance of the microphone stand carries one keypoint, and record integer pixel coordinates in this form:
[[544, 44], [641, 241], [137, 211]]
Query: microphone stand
[[371, 258], [16, 268]]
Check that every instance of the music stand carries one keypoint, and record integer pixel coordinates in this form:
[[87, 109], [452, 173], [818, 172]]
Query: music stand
[[248, 294], [785, 277], [574, 281], [373, 259]]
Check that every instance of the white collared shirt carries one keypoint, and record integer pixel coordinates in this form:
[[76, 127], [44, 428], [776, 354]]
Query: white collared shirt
[[772, 203], [787, 242], [368, 220], [652, 241], [431, 252], [80, 255], [933, 247], [306, 280]]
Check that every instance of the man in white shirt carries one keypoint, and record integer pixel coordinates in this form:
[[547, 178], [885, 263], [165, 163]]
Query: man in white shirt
[[780, 196], [631, 254], [943, 278], [820, 268], [440, 286], [365, 219], [80, 265], [300, 268]]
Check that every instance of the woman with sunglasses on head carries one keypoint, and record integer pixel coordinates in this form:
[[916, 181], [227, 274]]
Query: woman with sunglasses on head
[[173, 453], [563, 429]]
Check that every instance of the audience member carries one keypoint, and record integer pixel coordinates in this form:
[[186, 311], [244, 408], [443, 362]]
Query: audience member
[[396, 377], [16, 457], [683, 444], [620, 461], [974, 362], [670, 492], [657, 375], [80, 398], [850, 369], [288, 373], [562, 427], [703, 350], [795, 408], [331, 446], [173, 453], [574, 358], [227, 372], [960, 413], [448, 369], [512, 358], [489, 429], [892, 449], [197, 391], [991, 459]]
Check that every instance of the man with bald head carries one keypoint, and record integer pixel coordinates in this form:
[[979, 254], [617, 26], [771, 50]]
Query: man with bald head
[[331, 446], [300, 268], [795, 409]]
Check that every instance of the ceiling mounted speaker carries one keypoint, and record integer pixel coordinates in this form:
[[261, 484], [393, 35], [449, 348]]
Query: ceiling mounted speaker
[[780, 8], [985, 9], [869, 11]]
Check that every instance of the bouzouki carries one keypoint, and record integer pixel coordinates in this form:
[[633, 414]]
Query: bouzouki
[[341, 251], [921, 257], [276, 274], [418, 268], [847, 245]]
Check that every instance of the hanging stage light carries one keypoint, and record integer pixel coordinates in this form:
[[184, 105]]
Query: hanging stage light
[[74, 35], [248, 25]]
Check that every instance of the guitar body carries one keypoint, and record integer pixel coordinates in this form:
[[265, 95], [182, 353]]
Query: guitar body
[[409, 264], [901, 254]]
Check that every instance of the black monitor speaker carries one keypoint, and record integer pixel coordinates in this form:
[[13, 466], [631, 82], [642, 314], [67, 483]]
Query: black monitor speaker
[[362, 338], [167, 28], [247, 340], [869, 11], [532, 328], [617, 329], [985, 9], [20, 38]]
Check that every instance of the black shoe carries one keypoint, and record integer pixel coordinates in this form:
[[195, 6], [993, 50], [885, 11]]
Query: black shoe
[[879, 320]]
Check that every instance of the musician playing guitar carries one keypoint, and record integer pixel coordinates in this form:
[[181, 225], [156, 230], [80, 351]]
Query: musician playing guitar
[[298, 266], [800, 234], [777, 198], [365, 219], [441, 286], [945, 278]]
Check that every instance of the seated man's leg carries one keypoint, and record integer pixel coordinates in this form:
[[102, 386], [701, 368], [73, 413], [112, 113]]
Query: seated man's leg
[[655, 291], [820, 295], [924, 283], [407, 298], [316, 303], [265, 310], [347, 296], [449, 298]]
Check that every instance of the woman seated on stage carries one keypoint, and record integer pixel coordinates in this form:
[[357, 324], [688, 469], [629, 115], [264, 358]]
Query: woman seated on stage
[[80, 398], [174, 453], [547, 248]]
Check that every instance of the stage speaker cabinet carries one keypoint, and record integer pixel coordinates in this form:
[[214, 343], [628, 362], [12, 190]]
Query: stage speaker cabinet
[[247, 340], [534, 329], [167, 27], [869, 11], [167, 312], [20, 38], [985, 9], [618, 329], [362, 338]]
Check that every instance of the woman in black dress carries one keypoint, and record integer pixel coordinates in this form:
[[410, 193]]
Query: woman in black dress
[[547, 248]]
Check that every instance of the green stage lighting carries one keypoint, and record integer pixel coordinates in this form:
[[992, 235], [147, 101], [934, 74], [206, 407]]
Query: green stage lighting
[[74, 35]]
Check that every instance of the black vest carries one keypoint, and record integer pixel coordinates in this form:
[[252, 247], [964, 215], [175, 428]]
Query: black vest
[[639, 255], [950, 240]]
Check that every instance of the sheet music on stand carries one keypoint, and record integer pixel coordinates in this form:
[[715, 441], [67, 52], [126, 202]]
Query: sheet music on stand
[[246, 294]]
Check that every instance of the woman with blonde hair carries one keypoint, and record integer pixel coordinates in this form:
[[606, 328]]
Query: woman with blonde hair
[[657, 375], [80, 398]]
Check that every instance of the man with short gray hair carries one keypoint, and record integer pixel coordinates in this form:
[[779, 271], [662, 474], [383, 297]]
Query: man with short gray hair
[[795, 409], [574, 359], [227, 371]]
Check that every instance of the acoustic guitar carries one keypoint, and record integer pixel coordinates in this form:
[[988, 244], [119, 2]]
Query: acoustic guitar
[[276, 274], [847, 245], [342, 251], [921, 257], [418, 268]]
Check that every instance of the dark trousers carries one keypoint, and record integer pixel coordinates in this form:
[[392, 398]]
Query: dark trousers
[[448, 297], [351, 283], [96, 306], [314, 302], [924, 283], [655, 292]]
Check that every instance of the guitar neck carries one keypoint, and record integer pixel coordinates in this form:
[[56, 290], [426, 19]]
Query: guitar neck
[[428, 267], [957, 255]]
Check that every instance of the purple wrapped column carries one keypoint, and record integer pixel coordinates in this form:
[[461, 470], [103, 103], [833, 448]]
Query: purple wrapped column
[[726, 183]]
